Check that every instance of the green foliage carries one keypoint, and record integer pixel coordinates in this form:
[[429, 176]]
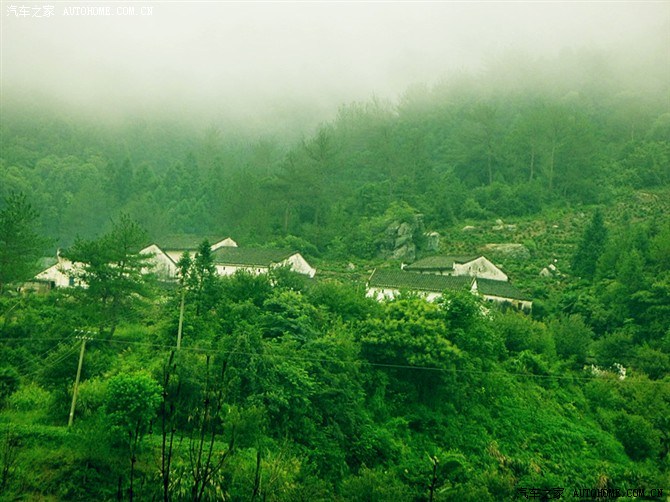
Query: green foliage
[[328, 395], [9, 382], [590, 247], [520, 333], [112, 269], [131, 404], [375, 485], [31, 398], [20, 244], [637, 436], [202, 280], [572, 338]]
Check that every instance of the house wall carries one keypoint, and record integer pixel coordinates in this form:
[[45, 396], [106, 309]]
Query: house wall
[[518, 304], [163, 265], [381, 294], [59, 274], [224, 270], [227, 242], [480, 267], [295, 262], [175, 256], [298, 264]]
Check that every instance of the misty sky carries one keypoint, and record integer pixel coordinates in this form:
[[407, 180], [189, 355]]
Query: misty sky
[[271, 55]]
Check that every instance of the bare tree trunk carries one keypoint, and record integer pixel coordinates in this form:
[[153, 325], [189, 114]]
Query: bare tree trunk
[[433, 481]]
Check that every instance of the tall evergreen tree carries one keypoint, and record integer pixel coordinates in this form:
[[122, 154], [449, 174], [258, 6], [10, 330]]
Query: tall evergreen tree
[[590, 247], [203, 279], [113, 272], [20, 246]]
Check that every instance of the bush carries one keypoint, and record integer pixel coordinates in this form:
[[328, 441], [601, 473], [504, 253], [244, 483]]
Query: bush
[[131, 403], [638, 437], [91, 397], [9, 383], [31, 398]]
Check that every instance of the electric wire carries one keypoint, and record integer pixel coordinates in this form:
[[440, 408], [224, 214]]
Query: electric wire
[[68, 352], [37, 359], [266, 354]]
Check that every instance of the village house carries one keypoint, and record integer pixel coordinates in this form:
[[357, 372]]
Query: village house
[[229, 260], [385, 284], [503, 293], [473, 266], [59, 272], [52, 275], [175, 245], [430, 277], [166, 255]]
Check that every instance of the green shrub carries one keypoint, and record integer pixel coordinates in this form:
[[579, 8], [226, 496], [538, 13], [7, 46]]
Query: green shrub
[[30, 398]]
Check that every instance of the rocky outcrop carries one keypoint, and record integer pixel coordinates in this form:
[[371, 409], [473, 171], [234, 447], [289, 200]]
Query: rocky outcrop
[[400, 239], [509, 250]]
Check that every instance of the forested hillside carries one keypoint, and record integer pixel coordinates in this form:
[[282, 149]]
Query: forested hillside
[[462, 149], [293, 389]]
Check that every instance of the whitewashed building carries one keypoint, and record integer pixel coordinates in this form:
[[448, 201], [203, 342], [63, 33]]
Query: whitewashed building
[[160, 263], [175, 245], [385, 284], [473, 266], [229, 260]]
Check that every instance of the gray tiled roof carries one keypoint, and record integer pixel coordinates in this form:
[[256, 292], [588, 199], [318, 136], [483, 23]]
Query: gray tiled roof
[[250, 256], [502, 289], [440, 262], [399, 279], [184, 242]]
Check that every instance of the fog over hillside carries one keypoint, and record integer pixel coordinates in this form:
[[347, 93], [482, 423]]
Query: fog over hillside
[[293, 62]]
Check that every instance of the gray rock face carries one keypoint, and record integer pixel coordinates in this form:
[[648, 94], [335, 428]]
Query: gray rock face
[[406, 252], [510, 250], [432, 241], [399, 241]]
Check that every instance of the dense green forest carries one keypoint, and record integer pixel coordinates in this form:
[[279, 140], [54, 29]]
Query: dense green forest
[[462, 149], [294, 389]]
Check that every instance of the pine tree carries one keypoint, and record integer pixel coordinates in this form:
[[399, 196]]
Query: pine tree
[[590, 248], [113, 272], [20, 246]]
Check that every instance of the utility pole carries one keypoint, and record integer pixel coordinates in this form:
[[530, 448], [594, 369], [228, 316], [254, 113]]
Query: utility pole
[[181, 317], [81, 362]]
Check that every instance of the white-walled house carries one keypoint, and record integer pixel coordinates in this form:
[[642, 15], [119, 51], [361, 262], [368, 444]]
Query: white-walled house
[[60, 274], [229, 260], [162, 260], [161, 263], [502, 292], [385, 284], [473, 266], [175, 245]]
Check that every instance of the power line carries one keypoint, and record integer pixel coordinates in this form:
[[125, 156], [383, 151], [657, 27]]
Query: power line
[[37, 359], [68, 352], [168, 348]]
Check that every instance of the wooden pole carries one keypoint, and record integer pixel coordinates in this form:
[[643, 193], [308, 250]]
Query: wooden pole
[[76, 382]]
